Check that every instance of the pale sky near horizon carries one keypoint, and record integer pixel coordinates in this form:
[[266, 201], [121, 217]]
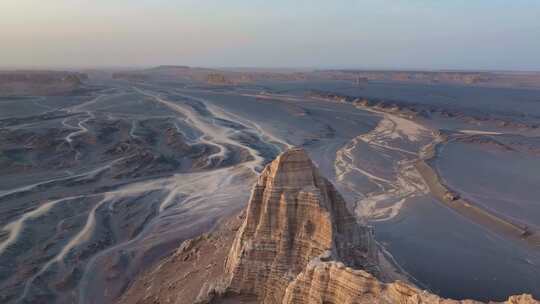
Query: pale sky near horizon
[[384, 34]]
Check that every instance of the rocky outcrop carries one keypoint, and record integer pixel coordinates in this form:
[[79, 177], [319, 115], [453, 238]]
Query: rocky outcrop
[[296, 243], [333, 282], [294, 215], [412, 109], [300, 245]]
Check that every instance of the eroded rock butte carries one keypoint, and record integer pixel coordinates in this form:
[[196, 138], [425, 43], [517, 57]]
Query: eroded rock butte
[[296, 243]]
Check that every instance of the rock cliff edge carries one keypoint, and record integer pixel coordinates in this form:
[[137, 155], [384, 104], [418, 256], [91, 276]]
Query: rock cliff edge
[[296, 243]]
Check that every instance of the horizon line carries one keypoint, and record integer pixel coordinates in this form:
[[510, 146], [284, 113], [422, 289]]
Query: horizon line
[[248, 67]]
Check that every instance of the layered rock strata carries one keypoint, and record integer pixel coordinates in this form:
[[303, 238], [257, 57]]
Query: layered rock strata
[[333, 283], [294, 215], [296, 243]]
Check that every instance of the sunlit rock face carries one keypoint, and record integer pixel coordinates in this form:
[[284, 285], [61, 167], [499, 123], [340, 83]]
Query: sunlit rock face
[[333, 283], [294, 215], [299, 244]]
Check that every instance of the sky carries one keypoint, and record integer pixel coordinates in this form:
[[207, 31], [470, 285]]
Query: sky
[[369, 34]]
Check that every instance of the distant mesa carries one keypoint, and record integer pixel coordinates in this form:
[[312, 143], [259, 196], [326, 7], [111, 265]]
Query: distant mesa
[[296, 243], [356, 77], [130, 76], [39, 82], [206, 75], [165, 72], [164, 67], [360, 76], [219, 79]]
